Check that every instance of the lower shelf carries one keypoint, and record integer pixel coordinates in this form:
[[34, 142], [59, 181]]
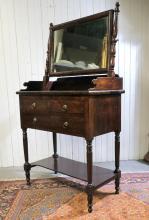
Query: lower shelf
[[77, 169]]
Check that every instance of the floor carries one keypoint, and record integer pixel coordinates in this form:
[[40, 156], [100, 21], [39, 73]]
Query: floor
[[17, 173]]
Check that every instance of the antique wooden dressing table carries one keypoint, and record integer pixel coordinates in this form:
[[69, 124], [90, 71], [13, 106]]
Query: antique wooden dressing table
[[84, 100]]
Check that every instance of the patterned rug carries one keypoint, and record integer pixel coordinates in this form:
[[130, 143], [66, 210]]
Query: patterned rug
[[63, 199]]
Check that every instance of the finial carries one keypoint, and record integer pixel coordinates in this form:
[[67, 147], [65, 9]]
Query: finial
[[51, 25], [117, 5]]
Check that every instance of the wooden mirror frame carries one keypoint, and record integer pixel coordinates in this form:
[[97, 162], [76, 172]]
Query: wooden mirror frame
[[112, 35]]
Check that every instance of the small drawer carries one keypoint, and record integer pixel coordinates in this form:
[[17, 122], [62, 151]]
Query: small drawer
[[31, 105]]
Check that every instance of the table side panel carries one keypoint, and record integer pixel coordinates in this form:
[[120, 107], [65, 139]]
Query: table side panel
[[107, 114]]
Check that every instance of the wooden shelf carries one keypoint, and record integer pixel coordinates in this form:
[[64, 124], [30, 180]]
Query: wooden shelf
[[76, 169]]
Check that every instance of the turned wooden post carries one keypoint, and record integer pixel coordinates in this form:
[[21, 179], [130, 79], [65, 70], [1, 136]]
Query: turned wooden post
[[27, 165], [117, 159], [55, 155], [89, 175]]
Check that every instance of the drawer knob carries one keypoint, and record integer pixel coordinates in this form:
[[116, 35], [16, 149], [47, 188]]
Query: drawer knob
[[33, 104], [66, 124], [65, 107], [34, 119]]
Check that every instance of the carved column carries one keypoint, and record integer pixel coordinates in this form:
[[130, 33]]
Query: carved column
[[49, 58], [27, 165], [114, 40]]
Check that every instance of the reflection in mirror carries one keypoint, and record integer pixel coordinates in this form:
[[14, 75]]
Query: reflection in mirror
[[81, 46]]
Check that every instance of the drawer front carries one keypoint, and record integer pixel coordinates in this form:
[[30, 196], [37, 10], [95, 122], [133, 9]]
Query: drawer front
[[59, 114], [45, 105], [32, 105], [73, 125]]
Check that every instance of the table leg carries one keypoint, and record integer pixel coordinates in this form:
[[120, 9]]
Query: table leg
[[27, 165], [89, 175], [55, 155], [117, 159]]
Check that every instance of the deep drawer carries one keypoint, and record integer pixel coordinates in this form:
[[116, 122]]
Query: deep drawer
[[69, 124]]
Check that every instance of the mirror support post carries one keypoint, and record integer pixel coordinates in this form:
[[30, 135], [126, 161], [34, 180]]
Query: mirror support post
[[114, 40]]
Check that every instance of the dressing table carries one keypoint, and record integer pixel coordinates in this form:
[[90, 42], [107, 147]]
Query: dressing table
[[80, 95]]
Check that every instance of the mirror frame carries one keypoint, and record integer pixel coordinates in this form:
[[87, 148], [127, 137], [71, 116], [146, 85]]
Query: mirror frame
[[112, 34]]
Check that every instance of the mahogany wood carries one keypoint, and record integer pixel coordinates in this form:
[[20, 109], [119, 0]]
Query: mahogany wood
[[27, 165], [100, 113], [114, 41], [117, 158], [84, 106], [77, 169], [80, 115], [55, 155], [89, 174], [107, 83]]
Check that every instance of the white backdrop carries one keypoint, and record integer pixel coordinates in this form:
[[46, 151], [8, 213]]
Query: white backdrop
[[23, 44]]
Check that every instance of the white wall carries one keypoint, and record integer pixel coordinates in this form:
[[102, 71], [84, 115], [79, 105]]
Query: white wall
[[23, 44]]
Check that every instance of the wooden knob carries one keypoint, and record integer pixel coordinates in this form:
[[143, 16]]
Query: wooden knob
[[66, 124], [34, 119], [65, 107], [33, 104]]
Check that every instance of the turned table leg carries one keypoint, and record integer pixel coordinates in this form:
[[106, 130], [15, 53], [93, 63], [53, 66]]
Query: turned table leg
[[117, 159], [55, 155], [27, 165], [89, 175]]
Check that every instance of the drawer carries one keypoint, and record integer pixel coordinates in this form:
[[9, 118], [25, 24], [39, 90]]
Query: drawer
[[69, 124], [45, 105], [32, 105]]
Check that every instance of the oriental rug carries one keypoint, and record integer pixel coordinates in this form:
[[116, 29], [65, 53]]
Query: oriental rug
[[63, 199]]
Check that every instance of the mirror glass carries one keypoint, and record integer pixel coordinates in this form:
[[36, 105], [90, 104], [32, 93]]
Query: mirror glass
[[81, 46]]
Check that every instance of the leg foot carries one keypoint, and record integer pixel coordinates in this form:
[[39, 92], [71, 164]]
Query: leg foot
[[27, 165], [90, 202], [117, 182], [55, 165], [27, 168], [90, 198]]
